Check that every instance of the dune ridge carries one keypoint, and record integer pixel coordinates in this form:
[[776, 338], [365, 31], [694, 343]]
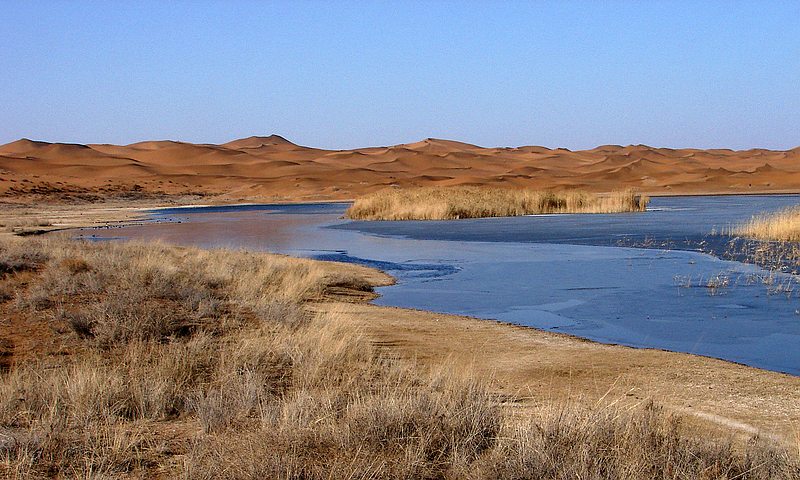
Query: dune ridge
[[272, 168]]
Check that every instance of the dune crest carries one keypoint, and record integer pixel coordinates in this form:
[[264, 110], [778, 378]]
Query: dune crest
[[272, 168], [256, 142]]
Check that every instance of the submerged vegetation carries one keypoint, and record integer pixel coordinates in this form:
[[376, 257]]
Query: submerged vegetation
[[449, 203], [769, 240], [148, 361]]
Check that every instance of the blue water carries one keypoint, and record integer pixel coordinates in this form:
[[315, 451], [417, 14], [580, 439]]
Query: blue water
[[566, 273]]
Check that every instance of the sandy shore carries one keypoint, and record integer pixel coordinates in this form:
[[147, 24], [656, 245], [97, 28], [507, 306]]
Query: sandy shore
[[22, 219], [533, 368]]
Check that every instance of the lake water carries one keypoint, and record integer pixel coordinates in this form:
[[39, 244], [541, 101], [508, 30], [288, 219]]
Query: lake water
[[566, 273]]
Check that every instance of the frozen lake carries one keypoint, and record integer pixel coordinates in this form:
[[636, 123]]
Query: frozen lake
[[568, 273]]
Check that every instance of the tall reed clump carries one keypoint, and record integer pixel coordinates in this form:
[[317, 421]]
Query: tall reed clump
[[782, 226], [449, 203], [218, 370]]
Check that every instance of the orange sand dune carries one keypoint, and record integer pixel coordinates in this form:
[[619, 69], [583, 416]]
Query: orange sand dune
[[275, 169]]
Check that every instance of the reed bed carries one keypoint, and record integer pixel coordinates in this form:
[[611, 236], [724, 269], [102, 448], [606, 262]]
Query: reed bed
[[782, 226], [174, 362], [429, 203]]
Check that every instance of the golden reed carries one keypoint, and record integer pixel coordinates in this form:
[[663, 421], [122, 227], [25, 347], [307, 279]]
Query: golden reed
[[429, 203]]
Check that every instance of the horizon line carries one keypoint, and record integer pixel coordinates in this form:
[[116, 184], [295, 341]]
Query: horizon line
[[426, 139]]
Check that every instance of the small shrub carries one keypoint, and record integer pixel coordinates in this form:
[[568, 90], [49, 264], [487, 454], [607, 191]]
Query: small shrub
[[6, 292], [15, 257], [75, 265]]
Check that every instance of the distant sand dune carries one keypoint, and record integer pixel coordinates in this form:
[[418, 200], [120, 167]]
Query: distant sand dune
[[272, 168]]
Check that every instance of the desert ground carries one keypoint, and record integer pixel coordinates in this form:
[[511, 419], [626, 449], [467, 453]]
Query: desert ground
[[275, 169]]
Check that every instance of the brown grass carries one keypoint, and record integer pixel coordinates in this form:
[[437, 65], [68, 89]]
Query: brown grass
[[451, 203], [24, 224], [783, 226], [205, 364]]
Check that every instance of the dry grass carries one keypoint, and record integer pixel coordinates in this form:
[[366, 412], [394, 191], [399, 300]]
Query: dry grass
[[782, 226], [431, 203], [206, 365], [771, 241], [15, 256], [609, 443], [22, 225]]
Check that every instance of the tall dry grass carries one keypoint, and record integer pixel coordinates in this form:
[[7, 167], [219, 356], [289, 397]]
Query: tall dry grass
[[573, 442], [430, 203], [205, 364], [782, 226]]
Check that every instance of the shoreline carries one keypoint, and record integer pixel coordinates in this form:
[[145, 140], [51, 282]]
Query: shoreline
[[108, 213]]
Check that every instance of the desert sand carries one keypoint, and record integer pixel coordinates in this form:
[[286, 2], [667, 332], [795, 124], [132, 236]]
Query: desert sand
[[275, 169]]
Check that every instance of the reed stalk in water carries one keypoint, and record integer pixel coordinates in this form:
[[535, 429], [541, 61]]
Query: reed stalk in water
[[428, 203], [781, 226]]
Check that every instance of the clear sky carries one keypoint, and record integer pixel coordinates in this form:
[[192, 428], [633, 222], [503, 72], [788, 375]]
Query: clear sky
[[350, 74]]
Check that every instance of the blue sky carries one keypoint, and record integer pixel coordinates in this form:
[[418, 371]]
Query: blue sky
[[350, 74]]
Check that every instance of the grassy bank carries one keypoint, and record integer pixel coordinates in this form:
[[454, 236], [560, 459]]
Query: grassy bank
[[127, 360], [450, 203], [782, 226]]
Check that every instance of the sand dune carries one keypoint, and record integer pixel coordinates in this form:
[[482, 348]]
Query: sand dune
[[271, 168]]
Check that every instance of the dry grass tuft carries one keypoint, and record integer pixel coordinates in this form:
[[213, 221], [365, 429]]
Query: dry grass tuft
[[15, 256], [451, 203], [782, 226], [205, 364], [117, 293], [570, 442]]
